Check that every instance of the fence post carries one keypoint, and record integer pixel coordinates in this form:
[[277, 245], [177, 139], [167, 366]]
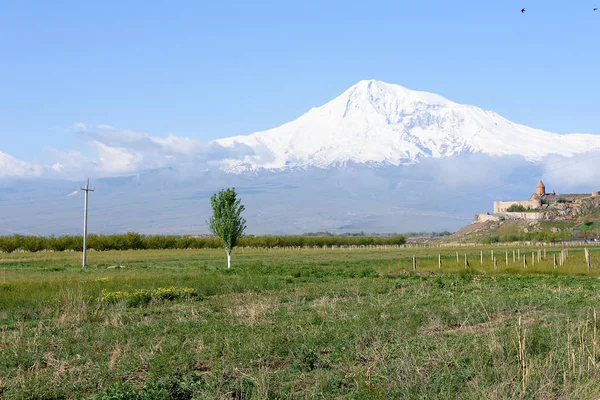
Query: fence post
[[414, 262], [495, 263], [554, 260], [466, 261], [524, 261], [587, 259], [507, 258], [439, 261], [481, 255]]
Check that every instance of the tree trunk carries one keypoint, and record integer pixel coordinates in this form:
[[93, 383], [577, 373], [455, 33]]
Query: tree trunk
[[228, 258]]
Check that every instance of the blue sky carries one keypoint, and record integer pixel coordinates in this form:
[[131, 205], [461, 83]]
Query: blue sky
[[208, 70]]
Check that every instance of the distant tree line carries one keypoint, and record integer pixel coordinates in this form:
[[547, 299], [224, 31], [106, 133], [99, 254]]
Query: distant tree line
[[136, 241], [363, 234], [427, 234]]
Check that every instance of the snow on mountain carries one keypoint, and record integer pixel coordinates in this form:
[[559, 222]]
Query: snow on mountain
[[385, 124]]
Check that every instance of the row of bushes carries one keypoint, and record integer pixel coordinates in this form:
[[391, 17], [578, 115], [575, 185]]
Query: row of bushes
[[136, 241], [520, 208], [544, 237]]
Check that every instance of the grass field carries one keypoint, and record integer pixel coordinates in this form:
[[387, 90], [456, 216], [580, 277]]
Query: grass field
[[326, 323]]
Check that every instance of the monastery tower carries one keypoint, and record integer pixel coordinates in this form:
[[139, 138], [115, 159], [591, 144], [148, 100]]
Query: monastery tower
[[540, 189]]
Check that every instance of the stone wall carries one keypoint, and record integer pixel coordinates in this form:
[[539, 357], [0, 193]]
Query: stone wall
[[502, 206], [479, 218], [528, 216]]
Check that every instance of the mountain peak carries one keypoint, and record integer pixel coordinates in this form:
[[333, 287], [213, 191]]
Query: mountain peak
[[376, 85], [378, 90], [368, 84]]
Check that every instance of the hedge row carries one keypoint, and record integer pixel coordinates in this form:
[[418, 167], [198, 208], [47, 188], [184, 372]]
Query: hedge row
[[136, 241], [544, 237]]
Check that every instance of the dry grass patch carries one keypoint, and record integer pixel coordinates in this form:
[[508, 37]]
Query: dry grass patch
[[72, 308], [116, 353], [325, 305], [331, 308], [493, 324], [253, 310], [189, 311], [113, 320], [253, 313]]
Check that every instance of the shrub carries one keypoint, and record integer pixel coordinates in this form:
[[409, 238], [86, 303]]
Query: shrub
[[8, 244], [491, 239], [517, 208], [170, 293], [33, 243], [187, 293], [140, 297], [368, 273], [173, 293], [133, 241], [113, 297]]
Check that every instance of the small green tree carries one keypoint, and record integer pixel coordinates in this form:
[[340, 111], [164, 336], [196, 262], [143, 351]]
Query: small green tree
[[517, 208], [227, 222]]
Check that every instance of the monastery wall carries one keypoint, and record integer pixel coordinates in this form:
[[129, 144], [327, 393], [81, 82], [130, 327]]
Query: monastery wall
[[502, 206], [528, 216]]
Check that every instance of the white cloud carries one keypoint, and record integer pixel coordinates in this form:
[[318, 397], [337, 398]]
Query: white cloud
[[117, 160], [67, 161], [12, 167], [474, 170], [77, 126], [578, 172], [117, 152], [177, 144]]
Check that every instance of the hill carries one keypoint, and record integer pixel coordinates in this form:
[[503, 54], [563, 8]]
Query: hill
[[584, 228]]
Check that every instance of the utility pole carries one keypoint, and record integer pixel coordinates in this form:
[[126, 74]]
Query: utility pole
[[86, 189]]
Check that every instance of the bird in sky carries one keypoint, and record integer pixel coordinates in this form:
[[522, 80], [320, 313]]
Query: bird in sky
[[596, 9], [522, 10]]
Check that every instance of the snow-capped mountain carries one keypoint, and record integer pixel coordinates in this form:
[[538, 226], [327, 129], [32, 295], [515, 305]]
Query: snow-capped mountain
[[437, 164], [385, 124]]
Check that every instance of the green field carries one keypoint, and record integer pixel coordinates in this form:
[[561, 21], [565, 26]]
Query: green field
[[318, 323]]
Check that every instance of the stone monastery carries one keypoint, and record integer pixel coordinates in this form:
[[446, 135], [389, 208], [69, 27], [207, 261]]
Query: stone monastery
[[540, 206]]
